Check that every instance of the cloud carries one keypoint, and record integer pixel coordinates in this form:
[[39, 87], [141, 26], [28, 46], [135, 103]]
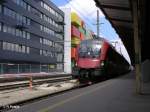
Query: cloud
[[86, 9]]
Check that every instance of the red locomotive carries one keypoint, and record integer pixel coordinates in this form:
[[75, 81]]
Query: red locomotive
[[96, 58]]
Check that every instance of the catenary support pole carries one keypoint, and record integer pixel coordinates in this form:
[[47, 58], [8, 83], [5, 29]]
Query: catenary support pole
[[97, 23]]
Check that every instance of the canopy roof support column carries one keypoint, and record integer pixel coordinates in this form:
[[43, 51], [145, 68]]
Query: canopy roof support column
[[137, 46]]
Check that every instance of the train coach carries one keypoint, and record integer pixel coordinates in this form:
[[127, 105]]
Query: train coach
[[98, 58]]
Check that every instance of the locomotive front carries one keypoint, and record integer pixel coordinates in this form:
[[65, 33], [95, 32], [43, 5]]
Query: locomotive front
[[89, 54], [88, 58]]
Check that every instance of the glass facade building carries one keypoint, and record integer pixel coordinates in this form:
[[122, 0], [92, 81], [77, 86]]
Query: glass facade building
[[30, 36]]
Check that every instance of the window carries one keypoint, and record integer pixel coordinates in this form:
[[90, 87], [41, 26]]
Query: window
[[17, 16], [4, 45], [40, 52], [24, 20], [19, 48], [5, 10], [4, 28], [41, 27], [12, 47], [8, 46], [28, 21], [41, 40], [20, 33], [42, 4], [28, 35], [28, 50], [15, 47], [9, 29], [18, 2], [23, 49], [17, 32], [21, 3], [59, 57], [41, 16], [13, 31], [24, 34]]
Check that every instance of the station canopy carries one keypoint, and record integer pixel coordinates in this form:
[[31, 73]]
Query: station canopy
[[119, 13]]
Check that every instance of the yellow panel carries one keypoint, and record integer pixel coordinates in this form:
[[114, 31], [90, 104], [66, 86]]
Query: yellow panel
[[75, 19]]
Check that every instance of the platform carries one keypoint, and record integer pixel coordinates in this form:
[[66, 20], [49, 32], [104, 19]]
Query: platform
[[114, 95]]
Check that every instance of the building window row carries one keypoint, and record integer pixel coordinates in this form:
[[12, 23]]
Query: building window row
[[59, 36], [58, 47], [51, 21], [35, 12], [46, 53], [15, 47], [22, 4], [47, 30], [27, 7], [14, 31], [46, 42], [17, 16], [48, 19], [45, 6]]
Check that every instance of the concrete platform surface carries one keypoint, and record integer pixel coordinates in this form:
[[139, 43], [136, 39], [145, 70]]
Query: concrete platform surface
[[114, 95]]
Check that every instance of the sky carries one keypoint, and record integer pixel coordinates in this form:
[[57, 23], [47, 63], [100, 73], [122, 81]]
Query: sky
[[87, 11]]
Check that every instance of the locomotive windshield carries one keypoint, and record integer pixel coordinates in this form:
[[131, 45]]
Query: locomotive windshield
[[89, 49]]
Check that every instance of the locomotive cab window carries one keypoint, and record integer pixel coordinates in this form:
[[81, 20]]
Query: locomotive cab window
[[89, 49]]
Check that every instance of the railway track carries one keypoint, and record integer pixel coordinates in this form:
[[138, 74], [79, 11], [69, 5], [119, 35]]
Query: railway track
[[25, 83], [13, 86]]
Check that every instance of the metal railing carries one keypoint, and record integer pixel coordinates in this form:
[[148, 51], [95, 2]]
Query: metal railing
[[11, 68]]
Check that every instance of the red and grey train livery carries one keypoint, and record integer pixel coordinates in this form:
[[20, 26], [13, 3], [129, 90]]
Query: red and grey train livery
[[96, 58]]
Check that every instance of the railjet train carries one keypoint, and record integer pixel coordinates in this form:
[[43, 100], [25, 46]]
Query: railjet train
[[97, 58]]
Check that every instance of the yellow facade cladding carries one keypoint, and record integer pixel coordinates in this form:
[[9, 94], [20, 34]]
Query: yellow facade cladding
[[80, 25], [75, 41], [75, 19]]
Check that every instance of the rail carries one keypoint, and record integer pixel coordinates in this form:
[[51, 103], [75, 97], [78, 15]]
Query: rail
[[30, 81]]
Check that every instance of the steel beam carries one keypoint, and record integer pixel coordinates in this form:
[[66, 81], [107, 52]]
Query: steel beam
[[114, 7], [120, 20]]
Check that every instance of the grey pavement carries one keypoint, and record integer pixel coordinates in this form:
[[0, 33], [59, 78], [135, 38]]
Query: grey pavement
[[114, 95]]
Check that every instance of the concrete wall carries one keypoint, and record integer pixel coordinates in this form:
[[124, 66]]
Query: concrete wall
[[67, 40]]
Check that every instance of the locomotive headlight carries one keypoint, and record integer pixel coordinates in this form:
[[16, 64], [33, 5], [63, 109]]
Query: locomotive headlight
[[102, 63]]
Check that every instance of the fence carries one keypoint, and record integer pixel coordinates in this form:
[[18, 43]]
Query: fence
[[9, 68]]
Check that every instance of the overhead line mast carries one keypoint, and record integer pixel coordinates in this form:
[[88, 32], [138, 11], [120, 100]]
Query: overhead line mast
[[98, 23]]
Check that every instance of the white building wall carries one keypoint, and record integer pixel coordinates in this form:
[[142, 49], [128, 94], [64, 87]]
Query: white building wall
[[67, 40]]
